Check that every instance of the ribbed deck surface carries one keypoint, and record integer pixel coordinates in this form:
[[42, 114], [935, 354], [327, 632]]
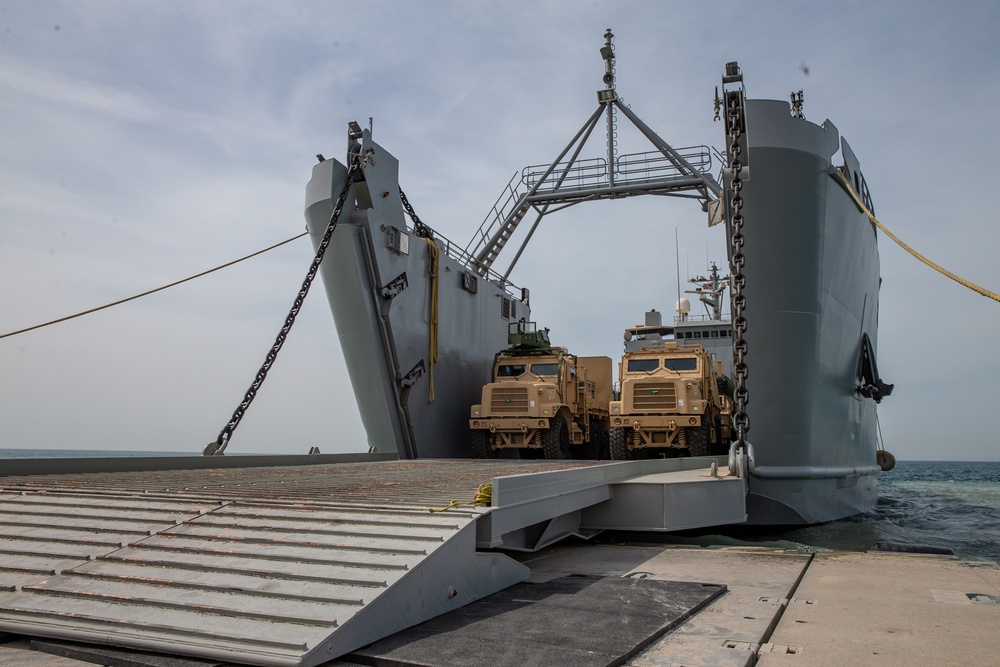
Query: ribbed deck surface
[[422, 482], [263, 566]]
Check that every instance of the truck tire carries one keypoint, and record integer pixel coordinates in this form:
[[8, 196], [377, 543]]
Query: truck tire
[[603, 444], [597, 448], [555, 440], [698, 438], [481, 445], [618, 446]]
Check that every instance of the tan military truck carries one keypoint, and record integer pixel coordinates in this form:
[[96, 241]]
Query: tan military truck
[[673, 398], [542, 399]]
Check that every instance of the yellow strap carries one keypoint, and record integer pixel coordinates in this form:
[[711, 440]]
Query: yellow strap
[[484, 496], [433, 262], [864, 209]]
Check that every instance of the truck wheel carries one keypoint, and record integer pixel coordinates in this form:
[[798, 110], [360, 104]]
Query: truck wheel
[[597, 448], [555, 440], [698, 438], [601, 442], [481, 445], [619, 449]]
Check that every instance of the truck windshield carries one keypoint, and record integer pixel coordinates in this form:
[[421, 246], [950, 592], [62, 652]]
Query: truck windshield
[[643, 365], [545, 369], [681, 364], [510, 370]]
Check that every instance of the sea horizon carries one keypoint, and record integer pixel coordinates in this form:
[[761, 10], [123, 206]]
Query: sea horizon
[[24, 453]]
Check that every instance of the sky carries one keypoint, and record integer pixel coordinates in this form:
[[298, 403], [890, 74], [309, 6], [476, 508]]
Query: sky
[[141, 143]]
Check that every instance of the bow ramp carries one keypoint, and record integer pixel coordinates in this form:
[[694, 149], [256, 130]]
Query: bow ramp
[[281, 566]]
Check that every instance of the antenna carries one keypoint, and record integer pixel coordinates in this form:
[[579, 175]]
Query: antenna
[[677, 265]]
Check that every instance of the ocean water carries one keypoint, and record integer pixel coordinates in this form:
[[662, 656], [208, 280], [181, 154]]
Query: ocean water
[[950, 504], [936, 503]]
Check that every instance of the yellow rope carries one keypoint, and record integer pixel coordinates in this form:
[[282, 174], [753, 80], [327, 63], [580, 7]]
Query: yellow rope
[[433, 262], [484, 496], [844, 183]]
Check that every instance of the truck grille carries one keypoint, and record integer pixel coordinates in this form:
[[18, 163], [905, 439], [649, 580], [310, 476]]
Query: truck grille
[[653, 396], [509, 399]]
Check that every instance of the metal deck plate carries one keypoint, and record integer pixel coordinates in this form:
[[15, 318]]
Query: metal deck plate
[[269, 584]]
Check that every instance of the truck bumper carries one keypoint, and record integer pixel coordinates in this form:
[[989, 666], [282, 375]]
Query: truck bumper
[[509, 424], [656, 422]]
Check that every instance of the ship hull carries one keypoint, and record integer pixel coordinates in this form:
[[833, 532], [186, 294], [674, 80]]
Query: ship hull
[[812, 281], [378, 282]]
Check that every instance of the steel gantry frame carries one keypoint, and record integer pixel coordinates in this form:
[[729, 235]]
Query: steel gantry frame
[[665, 171]]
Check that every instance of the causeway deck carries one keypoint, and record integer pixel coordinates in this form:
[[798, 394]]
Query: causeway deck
[[294, 564]]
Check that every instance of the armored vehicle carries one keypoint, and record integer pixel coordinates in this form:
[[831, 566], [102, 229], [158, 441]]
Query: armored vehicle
[[543, 399], [673, 397]]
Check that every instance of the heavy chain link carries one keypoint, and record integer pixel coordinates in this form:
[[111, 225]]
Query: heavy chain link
[[422, 230], [734, 116], [220, 443]]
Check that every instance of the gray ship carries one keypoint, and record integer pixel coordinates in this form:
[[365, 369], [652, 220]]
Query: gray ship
[[295, 561], [420, 318]]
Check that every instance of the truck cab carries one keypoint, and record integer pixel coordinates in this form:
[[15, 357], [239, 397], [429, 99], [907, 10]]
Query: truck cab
[[542, 399], [673, 398]]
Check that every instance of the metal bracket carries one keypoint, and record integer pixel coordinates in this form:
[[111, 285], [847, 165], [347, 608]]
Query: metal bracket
[[398, 240], [395, 286], [411, 378], [470, 283]]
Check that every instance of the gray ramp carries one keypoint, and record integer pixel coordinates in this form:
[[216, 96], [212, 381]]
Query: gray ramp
[[254, 583]]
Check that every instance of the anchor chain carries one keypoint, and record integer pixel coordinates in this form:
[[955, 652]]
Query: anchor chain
[[218, 446], [741, 396], [421, 230]]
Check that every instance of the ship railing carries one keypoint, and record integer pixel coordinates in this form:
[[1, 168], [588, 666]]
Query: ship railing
[[569, 176], [577, 180], [630, 169], [699, 318], [462, 256], [510, 199]]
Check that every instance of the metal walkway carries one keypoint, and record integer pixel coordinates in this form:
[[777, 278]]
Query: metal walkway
[[298, 565]]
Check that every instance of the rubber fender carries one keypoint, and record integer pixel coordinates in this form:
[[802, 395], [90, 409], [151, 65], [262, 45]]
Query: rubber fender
[[885, 460]]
